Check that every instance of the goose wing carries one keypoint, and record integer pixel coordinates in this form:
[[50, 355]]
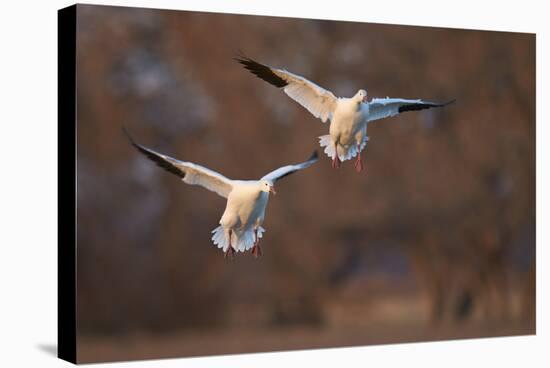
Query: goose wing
[[380, 108], [189, 172], [290, 169], [317, 100]]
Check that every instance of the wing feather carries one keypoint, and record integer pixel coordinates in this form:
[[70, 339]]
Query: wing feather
[[189, 172], [380, 108], [290, 169], [320, 102]]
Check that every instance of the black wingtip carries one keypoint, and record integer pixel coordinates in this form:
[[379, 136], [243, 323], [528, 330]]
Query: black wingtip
[[138, 146], [128, 136], [262, 71], [155, 157], [314, 156], [423, 106], [240, 56]]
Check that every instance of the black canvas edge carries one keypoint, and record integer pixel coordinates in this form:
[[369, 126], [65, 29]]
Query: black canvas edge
[[66, 187]]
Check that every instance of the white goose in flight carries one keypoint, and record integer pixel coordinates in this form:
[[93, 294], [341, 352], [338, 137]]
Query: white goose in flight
[[241, 223], [348, 116]]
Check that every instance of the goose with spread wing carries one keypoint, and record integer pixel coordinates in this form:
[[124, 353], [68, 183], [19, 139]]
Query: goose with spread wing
[[241, 223], [348, 116]]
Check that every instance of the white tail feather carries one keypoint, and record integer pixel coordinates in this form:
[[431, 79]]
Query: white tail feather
[[241, 241], [326, 141], [343, 154]]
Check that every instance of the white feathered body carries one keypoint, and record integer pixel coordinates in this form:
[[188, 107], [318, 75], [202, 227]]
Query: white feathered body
[[244, 213], [348, 128]]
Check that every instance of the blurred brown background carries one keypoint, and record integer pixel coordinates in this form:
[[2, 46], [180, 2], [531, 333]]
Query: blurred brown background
[[435, 240]]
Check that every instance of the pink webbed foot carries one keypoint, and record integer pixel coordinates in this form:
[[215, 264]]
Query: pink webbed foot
[[230, 251], [256, 250], [336, 162], [358, 163]]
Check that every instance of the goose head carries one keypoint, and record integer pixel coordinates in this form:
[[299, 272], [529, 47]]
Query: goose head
[[361, 96], [267, 186]]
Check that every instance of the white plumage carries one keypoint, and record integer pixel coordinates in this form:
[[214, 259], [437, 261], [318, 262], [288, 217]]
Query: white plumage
[[348, 116], [240, 225], [318, 101]]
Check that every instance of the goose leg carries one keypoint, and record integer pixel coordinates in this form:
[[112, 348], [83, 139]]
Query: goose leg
[[358, 163], [256, 250], [336, 159], [230, 251]]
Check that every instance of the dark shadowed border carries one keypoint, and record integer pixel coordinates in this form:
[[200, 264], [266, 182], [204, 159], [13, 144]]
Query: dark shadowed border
[[66, 187]]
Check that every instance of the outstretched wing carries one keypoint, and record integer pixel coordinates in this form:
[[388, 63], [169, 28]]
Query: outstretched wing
[[317, 100], [189, 172], [380, 108], [289, 169]]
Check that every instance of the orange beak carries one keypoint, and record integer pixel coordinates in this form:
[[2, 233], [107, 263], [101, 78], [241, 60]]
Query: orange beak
[[272, 190]]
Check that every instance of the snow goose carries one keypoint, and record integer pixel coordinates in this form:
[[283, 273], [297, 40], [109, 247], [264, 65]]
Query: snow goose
[[348, 116], [241, 223]]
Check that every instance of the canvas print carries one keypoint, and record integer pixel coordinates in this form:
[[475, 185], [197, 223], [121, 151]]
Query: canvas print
[[230, 198]]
